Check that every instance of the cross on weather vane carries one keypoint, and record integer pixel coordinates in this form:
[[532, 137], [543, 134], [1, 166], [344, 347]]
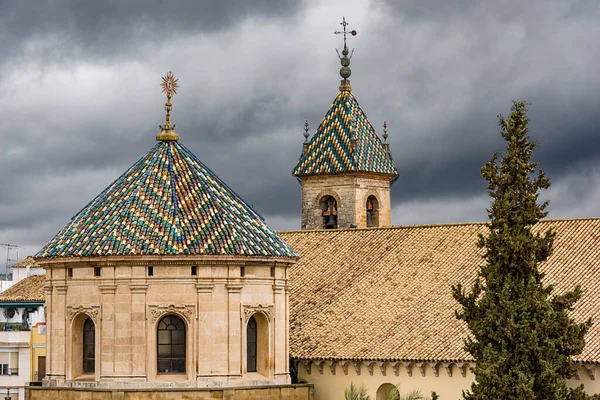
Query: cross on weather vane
[[345, 33]]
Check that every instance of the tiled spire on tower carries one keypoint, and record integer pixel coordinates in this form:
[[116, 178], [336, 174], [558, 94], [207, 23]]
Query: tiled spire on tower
[[345, 140]]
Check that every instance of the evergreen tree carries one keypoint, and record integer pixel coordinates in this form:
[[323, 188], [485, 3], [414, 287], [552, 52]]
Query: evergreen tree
[[522, 336]]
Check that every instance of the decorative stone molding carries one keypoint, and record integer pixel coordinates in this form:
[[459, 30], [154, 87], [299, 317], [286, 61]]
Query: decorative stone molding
[[396, 367], [234, 287], [448, 367], [408, 366], [463, 369], [422, 368], [92, 311], [320, 365], [307, 366], [138, 288], [48, 290], [204, 287], [278, 288], [576, 375], [382, 367], [591, 370], [61, 289], [345, 365], [370, 367], [435, 368], [268, 310], [332, 366], [357, 365], [158, 311], [107, 288]]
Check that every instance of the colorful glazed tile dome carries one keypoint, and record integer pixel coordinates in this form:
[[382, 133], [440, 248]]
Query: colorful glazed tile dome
[[331, 151], [167, 203]]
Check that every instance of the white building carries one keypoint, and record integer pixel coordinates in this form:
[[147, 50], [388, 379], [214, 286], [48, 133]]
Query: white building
[[21, 309]]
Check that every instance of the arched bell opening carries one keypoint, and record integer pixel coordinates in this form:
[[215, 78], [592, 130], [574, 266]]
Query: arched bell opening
[[329, 212], [372, 212]]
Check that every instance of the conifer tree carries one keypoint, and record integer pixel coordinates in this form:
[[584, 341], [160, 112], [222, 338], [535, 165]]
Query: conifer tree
[[522, 336]]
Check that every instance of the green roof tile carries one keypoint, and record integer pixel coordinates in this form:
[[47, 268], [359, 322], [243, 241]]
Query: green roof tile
[[167, 203], [330, 150]]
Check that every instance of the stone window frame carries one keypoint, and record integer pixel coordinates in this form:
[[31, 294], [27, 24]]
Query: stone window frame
[[187, 313], [77, 316], [264, 315]]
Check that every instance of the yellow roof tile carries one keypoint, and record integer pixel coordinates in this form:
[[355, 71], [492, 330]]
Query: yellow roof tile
[[28, 289]]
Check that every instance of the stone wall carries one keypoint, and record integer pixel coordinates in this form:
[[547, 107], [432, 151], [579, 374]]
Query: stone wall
[[351, 192], [284, 392], [126, 304]]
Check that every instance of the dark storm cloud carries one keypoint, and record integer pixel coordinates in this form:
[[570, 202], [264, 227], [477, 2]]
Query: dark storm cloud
[[115, 28], [80, 84]]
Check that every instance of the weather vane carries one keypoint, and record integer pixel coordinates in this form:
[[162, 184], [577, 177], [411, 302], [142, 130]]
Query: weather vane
[[345, 32], [169, 87]]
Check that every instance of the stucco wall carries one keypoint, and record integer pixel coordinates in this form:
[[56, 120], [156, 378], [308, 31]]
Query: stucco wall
[[288, 392], [329, 386]]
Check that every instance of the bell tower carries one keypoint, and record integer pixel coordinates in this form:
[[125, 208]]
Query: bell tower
[[345, 169]]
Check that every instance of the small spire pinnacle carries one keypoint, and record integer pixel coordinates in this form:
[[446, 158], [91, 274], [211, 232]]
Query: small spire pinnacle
[[306, 135], [345, 71], [385, 135], [169, 87], [385, 144]]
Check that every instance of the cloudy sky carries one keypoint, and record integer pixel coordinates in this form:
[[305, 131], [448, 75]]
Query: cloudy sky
[[80, 99]]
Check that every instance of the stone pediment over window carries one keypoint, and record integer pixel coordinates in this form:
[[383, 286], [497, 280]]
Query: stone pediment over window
[[92, 311], [268, 310], [184, 310]]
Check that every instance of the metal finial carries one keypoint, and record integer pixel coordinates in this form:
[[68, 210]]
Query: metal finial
[[385, 135], [345, 71], [169, 87], [306, 134]]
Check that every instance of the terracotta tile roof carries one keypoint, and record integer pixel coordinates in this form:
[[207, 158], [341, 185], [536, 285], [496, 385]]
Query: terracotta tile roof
[[168, 202], [27, 261], [28, 289], [384, 293], [330, 149]]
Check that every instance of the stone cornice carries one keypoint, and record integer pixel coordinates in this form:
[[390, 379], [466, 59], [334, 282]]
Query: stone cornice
[[205, 287], [107, 288], [138, 288], [157, 260], [234, 287]]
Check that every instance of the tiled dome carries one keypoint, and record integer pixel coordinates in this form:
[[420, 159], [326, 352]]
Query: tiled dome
[[167, 203]]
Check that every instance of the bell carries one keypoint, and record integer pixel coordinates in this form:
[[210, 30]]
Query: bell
[[369, 219], [331, 222]]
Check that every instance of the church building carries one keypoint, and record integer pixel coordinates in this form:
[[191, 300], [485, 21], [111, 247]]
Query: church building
[[371, 303], [168, 282]]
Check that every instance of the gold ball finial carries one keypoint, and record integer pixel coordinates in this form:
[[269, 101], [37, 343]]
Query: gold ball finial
[[169, 87]]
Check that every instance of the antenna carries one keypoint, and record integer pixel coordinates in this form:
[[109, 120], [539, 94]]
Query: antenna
[[8, 248]]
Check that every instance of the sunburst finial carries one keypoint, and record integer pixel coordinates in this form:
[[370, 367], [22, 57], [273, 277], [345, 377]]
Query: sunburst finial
[[169, 87]]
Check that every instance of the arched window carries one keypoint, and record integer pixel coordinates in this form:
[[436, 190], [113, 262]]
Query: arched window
[[372, 212], [89, 348], [328, 206], [251, 335], [387, 391], [171, 345]]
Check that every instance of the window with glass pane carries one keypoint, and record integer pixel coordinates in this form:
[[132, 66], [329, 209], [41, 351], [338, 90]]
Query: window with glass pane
[[171, 345], [251, 345], [89, 350]]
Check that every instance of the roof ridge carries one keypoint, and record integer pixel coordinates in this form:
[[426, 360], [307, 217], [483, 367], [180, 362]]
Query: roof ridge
[[397, 227]]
